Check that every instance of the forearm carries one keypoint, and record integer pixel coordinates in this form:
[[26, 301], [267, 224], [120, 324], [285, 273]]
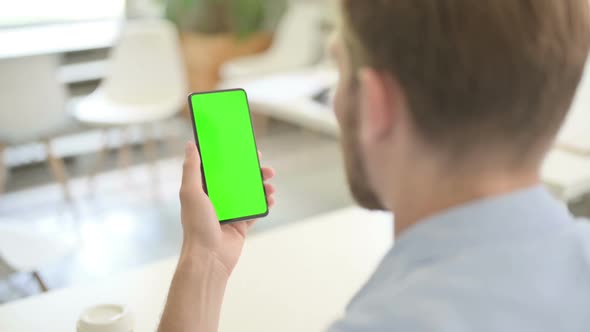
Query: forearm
[[196, 294]]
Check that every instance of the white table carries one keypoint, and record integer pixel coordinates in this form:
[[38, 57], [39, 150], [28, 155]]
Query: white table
[[57, 38], [296, 278]]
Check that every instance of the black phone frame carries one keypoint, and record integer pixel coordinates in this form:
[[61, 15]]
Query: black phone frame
[[204, 181]]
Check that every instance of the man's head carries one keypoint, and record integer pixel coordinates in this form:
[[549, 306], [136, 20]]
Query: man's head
[[454, 85]]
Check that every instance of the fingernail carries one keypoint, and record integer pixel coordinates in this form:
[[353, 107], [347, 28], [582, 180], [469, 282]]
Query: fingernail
[[189, 149]]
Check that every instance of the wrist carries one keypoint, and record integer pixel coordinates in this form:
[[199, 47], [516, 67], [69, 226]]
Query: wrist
[[196, 292], [202, 261]]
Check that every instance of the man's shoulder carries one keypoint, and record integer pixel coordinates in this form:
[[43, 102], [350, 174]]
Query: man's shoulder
[[406, 308], [581, 234], [582, 225], [463, 292]]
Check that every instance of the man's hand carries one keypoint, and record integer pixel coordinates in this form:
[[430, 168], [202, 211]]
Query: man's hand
[[203, 234], [210, 251]]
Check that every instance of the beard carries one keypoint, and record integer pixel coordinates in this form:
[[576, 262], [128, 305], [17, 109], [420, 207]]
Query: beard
[[355, 166]]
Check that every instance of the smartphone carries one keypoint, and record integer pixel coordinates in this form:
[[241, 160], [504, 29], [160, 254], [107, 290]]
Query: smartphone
[[232, 177]]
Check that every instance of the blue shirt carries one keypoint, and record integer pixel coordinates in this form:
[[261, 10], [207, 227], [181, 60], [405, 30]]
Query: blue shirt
[[518, 262]]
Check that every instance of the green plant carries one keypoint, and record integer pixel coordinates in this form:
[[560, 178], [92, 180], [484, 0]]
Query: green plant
[[240, 17]]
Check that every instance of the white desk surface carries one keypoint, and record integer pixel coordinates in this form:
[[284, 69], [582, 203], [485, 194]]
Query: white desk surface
[[296, 278], [57, 38]]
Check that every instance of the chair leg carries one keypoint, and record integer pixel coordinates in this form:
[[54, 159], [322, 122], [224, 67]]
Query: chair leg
[[3, 169], [59, 171], [40, 281], [100, 157], [125, 149], [150, 149]]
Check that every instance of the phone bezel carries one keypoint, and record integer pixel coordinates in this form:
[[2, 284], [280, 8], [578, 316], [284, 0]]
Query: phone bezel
[[204, 180]]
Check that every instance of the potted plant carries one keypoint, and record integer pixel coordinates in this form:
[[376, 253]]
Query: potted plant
[[215, 31]]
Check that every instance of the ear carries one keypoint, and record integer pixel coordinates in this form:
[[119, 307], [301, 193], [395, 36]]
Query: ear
[[377, 105]]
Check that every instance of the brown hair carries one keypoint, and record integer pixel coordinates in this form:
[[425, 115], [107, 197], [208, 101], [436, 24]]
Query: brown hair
[[476, 73]]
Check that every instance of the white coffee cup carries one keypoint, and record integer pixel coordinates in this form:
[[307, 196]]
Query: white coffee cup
[[106, 318]]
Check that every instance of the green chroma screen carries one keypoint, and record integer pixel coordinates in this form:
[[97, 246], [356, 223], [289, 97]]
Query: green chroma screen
[[229, 154]]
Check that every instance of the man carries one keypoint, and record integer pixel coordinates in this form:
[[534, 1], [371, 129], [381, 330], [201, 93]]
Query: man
[[447, 109]]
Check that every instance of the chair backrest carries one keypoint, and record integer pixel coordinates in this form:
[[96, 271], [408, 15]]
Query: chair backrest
[[32, 100], [298, 34], [146, 65]]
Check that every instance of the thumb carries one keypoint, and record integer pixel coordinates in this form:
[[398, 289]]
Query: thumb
[[192, 181]]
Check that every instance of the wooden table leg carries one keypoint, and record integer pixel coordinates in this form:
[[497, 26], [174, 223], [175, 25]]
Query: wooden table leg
[[40, 281], [150, 147], [100, 156], [59, 170], [125, 149]]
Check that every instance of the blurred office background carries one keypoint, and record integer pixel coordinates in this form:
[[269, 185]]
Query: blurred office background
[[93, 123]]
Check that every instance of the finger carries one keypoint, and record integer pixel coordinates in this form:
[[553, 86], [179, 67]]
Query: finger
[[259, 154], [191, 171], [267, 173], [269, 189], [270, 201]]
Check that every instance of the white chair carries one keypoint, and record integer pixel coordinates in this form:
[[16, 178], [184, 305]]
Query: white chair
[[145, 81], [23, 250], [32, 108], [297, 43]]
